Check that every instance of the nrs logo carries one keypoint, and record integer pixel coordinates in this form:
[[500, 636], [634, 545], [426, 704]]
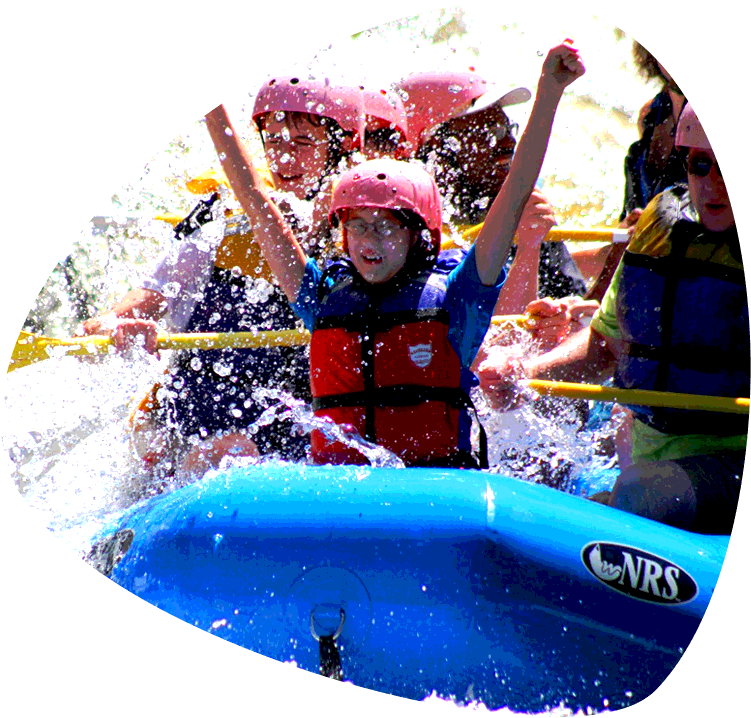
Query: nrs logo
[[638, 573]]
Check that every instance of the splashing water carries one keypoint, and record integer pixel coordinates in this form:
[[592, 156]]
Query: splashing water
[[91, 132]]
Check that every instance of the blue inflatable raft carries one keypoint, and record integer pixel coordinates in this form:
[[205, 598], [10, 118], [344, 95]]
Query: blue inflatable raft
[[464, 584]]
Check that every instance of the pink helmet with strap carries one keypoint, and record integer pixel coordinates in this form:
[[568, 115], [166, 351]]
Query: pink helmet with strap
[[431, 98], [708, 118], [341, 103], [385, 109], [390, 184]]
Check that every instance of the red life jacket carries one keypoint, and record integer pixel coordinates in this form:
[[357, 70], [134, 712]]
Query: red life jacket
[[381, 362]]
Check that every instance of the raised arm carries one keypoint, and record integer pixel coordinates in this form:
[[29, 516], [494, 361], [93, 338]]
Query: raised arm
[[561, 67], [279, 246]]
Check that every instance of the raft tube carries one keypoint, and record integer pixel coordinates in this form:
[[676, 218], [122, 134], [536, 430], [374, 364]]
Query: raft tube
[[464, 584]]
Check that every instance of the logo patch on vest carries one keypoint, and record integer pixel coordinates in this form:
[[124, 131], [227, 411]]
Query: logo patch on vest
[[638, 574], [421, 354]]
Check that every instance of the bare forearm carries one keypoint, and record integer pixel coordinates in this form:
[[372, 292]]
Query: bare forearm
[[585, 356], [494, 240], [521, 285], [138, 303], [279, 246]]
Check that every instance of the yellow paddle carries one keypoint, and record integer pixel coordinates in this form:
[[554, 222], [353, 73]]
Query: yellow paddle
[[560, 234], [32, 348], [673, 400]]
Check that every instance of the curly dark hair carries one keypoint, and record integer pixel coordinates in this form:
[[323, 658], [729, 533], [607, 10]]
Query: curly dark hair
[[646, 39]]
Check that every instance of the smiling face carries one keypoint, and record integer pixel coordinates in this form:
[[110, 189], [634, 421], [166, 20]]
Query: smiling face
[[472, 155], [684, 61], [377, 256], [297, 152], [708, 194]]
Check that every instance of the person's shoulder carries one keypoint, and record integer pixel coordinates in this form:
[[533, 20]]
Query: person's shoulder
[[641, 121], [654, 111]]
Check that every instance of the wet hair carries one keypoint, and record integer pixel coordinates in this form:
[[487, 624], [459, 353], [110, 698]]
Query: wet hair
[[423, 252], [384, 139], [646, 40]]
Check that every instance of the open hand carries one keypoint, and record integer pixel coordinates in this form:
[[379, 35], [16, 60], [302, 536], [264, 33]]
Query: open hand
[[203, 70], [561, 67]]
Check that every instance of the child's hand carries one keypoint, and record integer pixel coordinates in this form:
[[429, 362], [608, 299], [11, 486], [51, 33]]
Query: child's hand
[[203, 70], [561, 67]]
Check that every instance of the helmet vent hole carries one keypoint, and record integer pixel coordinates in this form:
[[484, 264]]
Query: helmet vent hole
[[381, 176], [272, 82], [294, 81]]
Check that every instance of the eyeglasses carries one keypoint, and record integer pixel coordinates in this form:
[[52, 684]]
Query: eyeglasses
[[701, 166], [701, 30], [381, 227]]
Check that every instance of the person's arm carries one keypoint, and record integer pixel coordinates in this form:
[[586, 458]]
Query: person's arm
[[280, 248], [521, 285], [132, 320], [585, 356], [561, 67]]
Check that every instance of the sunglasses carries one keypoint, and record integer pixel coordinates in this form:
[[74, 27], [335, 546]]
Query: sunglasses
[[701, 166], [702, 30]]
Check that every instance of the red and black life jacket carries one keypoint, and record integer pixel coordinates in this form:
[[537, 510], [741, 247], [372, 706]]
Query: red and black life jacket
[[381, 362]]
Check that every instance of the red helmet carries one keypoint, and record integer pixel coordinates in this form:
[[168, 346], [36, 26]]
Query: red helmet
[[708, 119], [390, 184], [431, 98], [386, 109], [341, 103]]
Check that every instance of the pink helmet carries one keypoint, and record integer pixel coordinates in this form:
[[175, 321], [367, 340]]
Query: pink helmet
[[390, 184], [708, 118], [431, 98], [385, 109], [341, 103]]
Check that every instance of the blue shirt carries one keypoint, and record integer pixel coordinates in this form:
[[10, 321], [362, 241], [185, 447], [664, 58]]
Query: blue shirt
[[469, 303]]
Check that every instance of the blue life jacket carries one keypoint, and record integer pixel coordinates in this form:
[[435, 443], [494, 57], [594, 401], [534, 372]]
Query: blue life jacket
[[381, 361], [684, 322]]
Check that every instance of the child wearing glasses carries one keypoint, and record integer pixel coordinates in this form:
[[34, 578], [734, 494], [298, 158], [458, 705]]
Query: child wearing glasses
[[675, 319], [394, 333]]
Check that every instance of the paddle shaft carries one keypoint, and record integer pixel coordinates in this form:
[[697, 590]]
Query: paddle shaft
[[31, 349], [594, 392]]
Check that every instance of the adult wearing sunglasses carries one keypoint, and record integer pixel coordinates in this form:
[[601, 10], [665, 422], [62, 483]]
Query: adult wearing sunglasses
[[675, 318], [685, 44]]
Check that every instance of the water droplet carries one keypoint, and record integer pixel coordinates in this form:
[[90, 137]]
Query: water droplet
[[221, 369]]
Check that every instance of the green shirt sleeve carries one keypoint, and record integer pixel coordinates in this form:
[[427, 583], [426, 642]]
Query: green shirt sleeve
[[605, 319]]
